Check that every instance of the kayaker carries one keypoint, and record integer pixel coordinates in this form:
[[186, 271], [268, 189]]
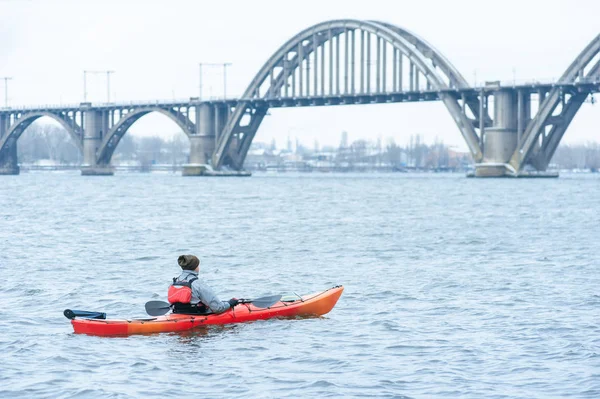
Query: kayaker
[[202, 297]]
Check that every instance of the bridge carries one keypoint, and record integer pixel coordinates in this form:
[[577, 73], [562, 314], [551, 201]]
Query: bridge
[[339, 62]]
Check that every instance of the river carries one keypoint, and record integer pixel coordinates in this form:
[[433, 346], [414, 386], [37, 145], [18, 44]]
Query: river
[[454, 287]]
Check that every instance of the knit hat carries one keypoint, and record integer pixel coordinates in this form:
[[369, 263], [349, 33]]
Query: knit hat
[[188, 262]]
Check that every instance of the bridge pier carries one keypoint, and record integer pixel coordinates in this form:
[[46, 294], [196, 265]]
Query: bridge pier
[[511, 114], [202, 142], [8, 161], [8, 156], [96, 123]]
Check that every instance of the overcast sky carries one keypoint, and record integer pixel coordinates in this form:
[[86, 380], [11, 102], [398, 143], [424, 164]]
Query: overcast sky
[[154, 47]]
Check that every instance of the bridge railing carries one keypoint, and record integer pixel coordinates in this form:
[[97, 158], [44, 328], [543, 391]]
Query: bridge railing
[[541, 82], [116, 104], [39, 106]]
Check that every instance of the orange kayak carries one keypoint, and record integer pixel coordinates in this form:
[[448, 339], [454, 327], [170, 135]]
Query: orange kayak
[[309, 305]]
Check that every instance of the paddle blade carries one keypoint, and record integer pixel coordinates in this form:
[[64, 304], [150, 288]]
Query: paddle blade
[[71, 314], [157, 308], [265, 302]]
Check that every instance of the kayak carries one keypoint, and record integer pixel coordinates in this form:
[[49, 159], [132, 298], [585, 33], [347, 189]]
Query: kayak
[[316, 304]]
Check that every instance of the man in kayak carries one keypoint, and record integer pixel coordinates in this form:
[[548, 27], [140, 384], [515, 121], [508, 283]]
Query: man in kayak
[[202, 297]]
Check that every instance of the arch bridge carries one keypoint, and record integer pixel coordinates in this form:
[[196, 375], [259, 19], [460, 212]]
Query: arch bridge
[[340, 62]]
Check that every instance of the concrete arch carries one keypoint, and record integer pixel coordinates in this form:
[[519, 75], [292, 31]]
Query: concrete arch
[[114, 135], [437, 58], [21, 124], [425, 62], [235, 140], [550, 125]]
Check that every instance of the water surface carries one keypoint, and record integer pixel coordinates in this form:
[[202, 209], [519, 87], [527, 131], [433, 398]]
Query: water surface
[[454, 287]]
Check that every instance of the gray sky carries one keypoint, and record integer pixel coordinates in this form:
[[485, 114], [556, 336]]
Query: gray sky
[[155, 47]]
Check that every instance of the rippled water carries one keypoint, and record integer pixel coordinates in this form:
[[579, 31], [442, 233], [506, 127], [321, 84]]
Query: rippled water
[[455, 287]]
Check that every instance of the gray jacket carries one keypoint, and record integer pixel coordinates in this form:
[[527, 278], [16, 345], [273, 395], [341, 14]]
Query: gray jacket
[[202, 293]]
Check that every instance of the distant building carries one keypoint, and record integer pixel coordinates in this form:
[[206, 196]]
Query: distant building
[[344, 141]]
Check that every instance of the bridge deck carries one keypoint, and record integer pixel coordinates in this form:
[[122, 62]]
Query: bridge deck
[[345, 99]]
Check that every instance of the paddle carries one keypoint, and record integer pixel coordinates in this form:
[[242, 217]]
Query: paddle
[[71, 314], [263, 302], [159, 308]]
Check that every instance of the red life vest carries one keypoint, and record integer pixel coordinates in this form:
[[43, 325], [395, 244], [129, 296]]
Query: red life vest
[[181, 291]]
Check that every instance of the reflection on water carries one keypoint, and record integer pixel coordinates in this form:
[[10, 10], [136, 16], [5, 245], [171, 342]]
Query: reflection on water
[[193, 338]]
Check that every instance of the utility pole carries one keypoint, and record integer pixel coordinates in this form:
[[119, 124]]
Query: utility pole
[[225, 65], [211, 64], [200, 94], [107, 83], [6, 79]]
